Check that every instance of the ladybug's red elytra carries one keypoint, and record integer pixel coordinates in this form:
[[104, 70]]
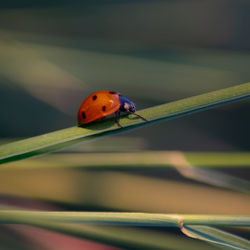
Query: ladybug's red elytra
[[104, 103]]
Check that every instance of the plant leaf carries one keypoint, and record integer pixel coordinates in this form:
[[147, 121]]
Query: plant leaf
[[145, 159], [211, 177], [216, 236], [142, 159], [123, 218], [191, 225]]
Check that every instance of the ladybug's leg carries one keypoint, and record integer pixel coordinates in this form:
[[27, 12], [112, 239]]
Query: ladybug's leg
[[117, 116], [144, 119]]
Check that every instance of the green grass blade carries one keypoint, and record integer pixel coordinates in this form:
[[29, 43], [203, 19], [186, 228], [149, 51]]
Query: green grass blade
[[191, 225], [215, 220], [208, 176], [123, 218], [109, 190], [216, 178], [70, 136], [219, 159], [144, 159], [100, 218], [147, 159], [216, 236]]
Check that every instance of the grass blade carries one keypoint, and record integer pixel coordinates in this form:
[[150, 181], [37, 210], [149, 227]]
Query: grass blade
[[216, 236], [99, 218], [191, 225], [215, 178], [70, 136], [115, 190], [123, 218], [144, 159]]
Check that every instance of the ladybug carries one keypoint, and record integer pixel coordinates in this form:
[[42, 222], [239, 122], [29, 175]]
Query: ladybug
[[104, 103]]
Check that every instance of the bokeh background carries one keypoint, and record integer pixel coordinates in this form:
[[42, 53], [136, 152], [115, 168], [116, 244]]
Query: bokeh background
[[53, 54]]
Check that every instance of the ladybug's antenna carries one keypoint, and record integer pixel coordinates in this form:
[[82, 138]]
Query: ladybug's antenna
[[144, 119]]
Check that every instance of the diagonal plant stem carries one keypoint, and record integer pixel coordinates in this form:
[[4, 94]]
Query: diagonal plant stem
[[70, 136]]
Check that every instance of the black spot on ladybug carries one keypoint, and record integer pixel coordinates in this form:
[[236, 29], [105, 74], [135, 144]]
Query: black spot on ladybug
[[94, 97], [83, 115], [103, 108], [112, 92]]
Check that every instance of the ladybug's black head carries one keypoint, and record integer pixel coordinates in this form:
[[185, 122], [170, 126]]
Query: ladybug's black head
[[131, 107], [126, 105]]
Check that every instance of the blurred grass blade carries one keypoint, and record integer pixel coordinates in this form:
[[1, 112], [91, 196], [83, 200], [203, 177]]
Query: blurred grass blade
[[216, 220], [122, 218], [100, 218], [218, 159], [216, 236], [216, 178], [211, 177], [144, 159], [117, 190], [70, 136], [191, 225]]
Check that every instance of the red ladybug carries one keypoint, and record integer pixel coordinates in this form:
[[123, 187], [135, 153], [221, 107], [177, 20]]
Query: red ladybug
[[104, 103]]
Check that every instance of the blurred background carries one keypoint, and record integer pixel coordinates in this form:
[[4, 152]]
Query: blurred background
[[53, 54]]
